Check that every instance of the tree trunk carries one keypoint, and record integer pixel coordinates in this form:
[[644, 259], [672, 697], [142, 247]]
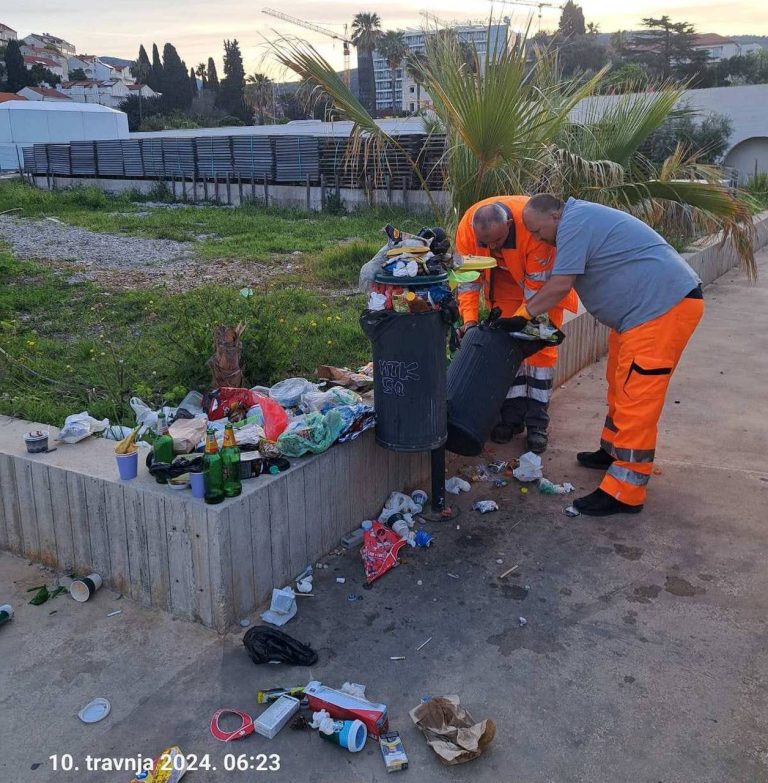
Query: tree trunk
[[366, 80], [225, 362]]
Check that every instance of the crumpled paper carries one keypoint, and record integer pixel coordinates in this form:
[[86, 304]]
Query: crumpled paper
[[451, 731], [79, 426], [529, 468]]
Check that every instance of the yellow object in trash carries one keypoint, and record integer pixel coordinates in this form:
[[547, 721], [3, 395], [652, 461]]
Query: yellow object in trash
[[168, 767], [407, 250], [477, 263], [128, 444]]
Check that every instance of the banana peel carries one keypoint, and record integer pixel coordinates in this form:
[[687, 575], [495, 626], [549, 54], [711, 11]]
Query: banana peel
[[128, 444]]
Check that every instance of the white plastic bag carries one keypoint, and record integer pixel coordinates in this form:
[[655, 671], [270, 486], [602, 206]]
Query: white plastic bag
[[288, 392], [79, 426], [323, 401], [529, 468], [457, 485]]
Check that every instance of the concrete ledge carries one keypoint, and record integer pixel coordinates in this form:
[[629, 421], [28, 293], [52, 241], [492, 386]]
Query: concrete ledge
[[163, 548]]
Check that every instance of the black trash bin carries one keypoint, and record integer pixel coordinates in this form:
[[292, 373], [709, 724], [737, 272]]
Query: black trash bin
[[409, 378], [479, 378]]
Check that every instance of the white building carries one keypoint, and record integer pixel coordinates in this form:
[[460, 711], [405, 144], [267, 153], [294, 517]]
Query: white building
[[42, 94], [144, 90], [6, 34], [110, 92], [54, 64], [46, 40], [718, 47], [92, 67], [408, 94]]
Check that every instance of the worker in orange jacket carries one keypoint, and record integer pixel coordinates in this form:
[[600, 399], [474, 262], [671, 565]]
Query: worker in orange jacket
[[494, 227], [634, 282]]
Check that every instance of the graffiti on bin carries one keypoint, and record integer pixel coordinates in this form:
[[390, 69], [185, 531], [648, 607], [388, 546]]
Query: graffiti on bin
[[395, 374]]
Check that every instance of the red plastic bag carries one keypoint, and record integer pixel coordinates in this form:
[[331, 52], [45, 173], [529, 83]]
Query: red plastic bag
[[379, 551], [275, 417], [232, 403]]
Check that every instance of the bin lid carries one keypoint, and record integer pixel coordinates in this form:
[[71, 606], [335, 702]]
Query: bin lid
[[412, 282]]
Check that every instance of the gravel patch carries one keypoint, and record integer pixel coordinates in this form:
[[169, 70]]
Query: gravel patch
[[56, 241]]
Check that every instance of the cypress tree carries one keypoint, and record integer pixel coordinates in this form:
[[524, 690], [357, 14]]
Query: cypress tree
[[193, 82], [16, 75], [155, 80], [213, 77], [175, 85], [231, 95]]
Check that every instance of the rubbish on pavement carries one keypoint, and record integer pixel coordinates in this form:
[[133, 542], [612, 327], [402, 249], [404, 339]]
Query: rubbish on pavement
[[344, 706], [269, 723], [451, 731], [82, 589], [423, 644], [571, 511], [508, 572], [399, 502], [352, 597], [453, 576], [340, 580], [457, 485], [423, 539], [246, 726], [37, 441], [6, 614], [522, 621], [419, 496], [485, 506], [245, 622], [500, 483], [546, 487], [354, 689], [498, 466], [379, 551], [169, 767], [529, 468], [79, 426], [523, 490], [393, 752], [396, 657], [267, 645], [283, 607], [475, 473], [353, 538], [95, 711], [499, 562], [116, 612], [273, 694], [349, 734]]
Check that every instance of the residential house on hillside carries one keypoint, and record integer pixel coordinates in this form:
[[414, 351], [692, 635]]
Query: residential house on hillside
[[46, 40], [144, 90], [110, 92], [719, 47], [122, 67], [6, 34], [11, 96], [42, 94], [92, 67], [53, 65]]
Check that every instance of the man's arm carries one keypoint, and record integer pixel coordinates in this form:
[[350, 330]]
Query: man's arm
[[550, 294]]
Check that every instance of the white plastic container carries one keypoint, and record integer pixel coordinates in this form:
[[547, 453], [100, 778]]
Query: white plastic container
[[269, 723]]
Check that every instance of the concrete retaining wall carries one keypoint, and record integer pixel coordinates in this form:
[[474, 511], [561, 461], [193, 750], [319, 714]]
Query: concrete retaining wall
[[163, 548]]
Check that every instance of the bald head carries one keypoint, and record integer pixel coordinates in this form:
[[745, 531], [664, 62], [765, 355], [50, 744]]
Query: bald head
[[491, 224], [541, 216]]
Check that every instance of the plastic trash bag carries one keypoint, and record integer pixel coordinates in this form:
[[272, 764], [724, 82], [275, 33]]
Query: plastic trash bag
[[529, 468], [116, 432], [357, 419], [187, 434], [323, 401], [79, 426], [275, 417], [288, 392], [457, 485], [231, 403], [316, 433]]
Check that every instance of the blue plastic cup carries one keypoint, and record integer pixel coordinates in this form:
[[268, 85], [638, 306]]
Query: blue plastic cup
[[350, 734], [197, 480], [128, 465]]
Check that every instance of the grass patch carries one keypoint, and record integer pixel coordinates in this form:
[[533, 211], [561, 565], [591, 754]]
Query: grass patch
[[341, 264]]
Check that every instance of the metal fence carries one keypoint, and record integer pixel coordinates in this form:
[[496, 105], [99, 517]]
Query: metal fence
[[281, 159]]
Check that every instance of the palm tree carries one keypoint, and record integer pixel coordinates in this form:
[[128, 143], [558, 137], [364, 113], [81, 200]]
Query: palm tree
[[259, 89], [366, 32], [393, 48], [510, 128]]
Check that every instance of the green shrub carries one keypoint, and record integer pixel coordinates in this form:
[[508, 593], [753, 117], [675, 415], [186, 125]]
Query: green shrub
[[341, 264]]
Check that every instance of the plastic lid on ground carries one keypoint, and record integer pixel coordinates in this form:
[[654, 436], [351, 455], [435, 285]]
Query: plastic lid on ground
[[97, 710]]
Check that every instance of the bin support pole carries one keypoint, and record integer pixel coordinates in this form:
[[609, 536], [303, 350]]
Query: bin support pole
[[438, 480]]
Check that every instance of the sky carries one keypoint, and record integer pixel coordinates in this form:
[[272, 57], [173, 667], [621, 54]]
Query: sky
[[198, 27]]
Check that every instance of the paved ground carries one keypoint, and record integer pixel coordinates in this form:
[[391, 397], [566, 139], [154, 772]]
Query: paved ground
[[643, 658]]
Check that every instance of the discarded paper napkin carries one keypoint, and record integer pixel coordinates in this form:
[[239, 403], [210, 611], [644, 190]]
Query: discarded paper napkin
[[451, 731]]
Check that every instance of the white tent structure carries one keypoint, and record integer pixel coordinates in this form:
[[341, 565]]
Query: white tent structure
[[24, 123]]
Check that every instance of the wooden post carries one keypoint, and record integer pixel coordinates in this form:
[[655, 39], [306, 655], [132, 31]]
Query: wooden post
[[266, 190], [389, 190], [309, 195], [194, 189], [229, 190], [322, 192], [173, 187], [253, 187], [205, 189], [405, 193], [240, 190], [216, 188]]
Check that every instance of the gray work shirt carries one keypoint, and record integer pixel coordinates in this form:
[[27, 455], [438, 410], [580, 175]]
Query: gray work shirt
[[627, 273]]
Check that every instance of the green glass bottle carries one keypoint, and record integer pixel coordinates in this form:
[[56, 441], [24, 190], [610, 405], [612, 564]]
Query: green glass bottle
[[213, 470], [230, 456], [163, 445]]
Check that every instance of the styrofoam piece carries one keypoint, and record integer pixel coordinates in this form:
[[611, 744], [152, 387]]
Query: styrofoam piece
[[269, 723]]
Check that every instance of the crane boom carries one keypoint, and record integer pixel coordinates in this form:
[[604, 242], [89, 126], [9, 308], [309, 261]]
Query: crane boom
[[318, 29]]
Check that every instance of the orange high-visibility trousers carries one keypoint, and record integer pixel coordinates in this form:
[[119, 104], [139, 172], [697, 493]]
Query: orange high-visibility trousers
[[640, 364]]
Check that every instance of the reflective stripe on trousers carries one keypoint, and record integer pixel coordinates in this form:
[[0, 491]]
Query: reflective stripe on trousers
[[533, 382]]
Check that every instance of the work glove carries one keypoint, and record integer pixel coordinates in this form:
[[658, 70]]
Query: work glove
[[514, 324]]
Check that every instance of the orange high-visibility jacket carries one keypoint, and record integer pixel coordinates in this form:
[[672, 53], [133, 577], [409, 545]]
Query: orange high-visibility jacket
[[525, 264]]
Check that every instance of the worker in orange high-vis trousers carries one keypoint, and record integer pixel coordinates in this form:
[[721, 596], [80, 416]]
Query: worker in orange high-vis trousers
[[494, 227], [633, 281]]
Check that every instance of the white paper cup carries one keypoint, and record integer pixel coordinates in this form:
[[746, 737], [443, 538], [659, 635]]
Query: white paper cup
[[82, 589]]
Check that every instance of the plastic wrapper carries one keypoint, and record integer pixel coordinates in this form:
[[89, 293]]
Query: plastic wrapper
[[79, 426], [379, 551], [546, 487], [357, 419], [288, 392], [457, 485], [323, 401], [485, 506], [230, 403], [187, 434], [529, 468], [275, 417], [315, 433]]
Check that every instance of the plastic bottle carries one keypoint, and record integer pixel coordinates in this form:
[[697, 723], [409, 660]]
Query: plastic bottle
[[230, 459], [6, 613], [163, 445], [213, 470]]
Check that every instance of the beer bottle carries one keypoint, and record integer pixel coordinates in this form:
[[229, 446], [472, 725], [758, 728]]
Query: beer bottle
[[213, 470], [230, 457], [163, 445]]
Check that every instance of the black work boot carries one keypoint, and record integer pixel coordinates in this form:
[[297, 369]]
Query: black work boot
[[598, 460], [503, 433], [537, 441], [601, 504]]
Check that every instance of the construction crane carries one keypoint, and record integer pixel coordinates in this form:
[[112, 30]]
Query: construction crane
[[530, 4], [318, 29]]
